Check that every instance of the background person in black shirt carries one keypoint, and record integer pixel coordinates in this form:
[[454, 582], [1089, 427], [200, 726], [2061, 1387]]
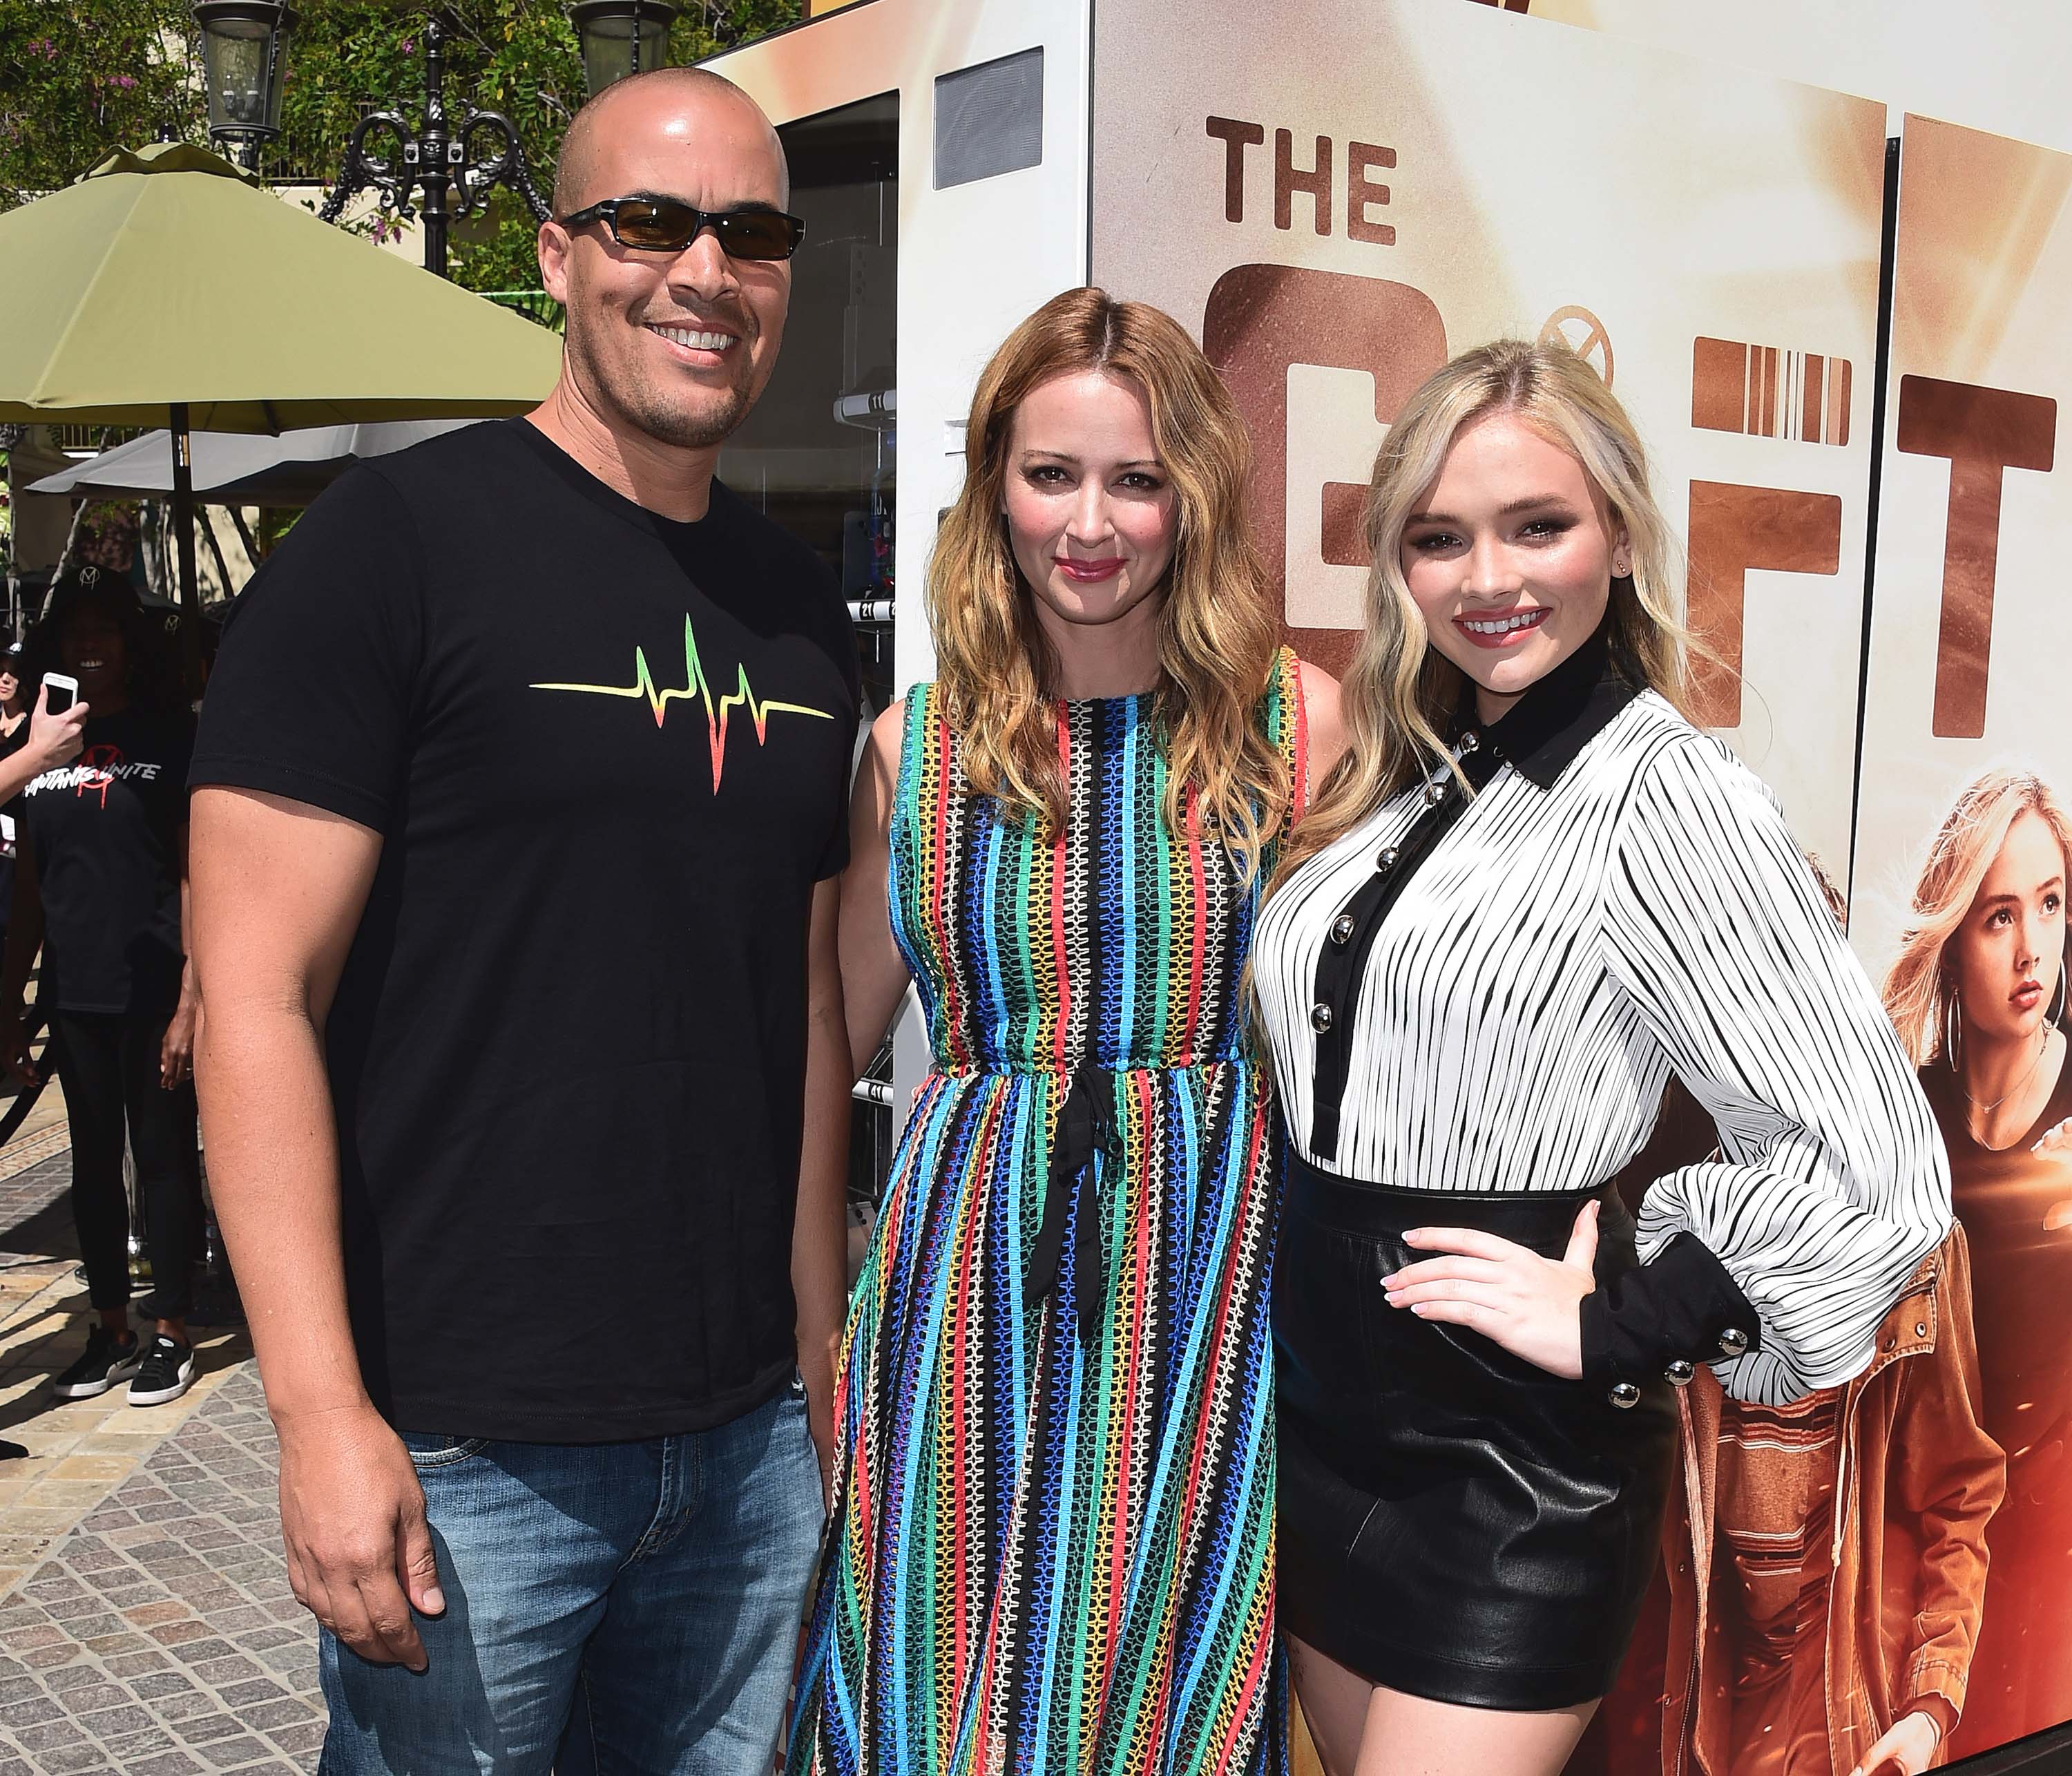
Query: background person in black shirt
[[518, 800], [100, 884]]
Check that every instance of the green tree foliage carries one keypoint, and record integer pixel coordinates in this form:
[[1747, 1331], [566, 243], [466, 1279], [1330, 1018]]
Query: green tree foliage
[[79, 76]]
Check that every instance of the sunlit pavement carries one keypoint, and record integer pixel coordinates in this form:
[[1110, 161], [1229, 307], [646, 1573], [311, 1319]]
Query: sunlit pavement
[[145, 1622]]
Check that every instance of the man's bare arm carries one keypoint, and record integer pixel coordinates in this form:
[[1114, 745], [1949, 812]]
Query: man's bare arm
[[874, 976], [277, 889], [819, 1233]]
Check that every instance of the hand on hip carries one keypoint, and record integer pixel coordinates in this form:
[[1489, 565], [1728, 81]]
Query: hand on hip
[[1529, 1305]]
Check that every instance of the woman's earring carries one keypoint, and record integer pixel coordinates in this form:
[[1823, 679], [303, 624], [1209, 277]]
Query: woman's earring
[[1950, 1029], [2057, 1011]]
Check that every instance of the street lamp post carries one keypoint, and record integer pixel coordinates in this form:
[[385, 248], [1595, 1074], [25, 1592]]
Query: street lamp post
[[438, 159], [245, 54]]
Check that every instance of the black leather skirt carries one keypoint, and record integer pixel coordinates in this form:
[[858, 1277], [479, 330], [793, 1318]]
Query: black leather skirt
[[1455, 1522]]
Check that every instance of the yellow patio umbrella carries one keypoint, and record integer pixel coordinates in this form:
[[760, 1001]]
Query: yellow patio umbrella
[[167, 288]]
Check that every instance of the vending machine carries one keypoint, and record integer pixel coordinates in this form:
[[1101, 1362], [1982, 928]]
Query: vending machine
[[1841, 326]]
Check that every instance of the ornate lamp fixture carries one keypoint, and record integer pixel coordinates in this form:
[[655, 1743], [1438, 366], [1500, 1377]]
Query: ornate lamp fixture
[[245, 56]]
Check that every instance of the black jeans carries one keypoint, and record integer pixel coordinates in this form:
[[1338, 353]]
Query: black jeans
[[109, 1065]]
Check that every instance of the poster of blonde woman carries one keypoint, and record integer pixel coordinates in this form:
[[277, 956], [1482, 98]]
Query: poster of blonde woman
[[1977, 991], [1964, 844]]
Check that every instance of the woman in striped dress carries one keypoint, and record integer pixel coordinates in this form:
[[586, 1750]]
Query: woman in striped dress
[[1535, 892], [1052, 1541]]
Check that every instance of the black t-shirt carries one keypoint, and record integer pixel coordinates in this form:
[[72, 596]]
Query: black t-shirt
[[608, 755], [104, 831]]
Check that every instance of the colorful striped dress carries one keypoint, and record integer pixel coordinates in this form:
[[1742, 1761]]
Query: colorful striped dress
[[1052, 1545]]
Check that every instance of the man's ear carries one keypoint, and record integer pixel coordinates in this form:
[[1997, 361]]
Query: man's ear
[[555, 244]]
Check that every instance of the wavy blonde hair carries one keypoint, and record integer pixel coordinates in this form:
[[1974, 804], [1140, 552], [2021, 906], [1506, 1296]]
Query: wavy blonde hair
[[1217, 640], [1918, 993], [1399, 689]]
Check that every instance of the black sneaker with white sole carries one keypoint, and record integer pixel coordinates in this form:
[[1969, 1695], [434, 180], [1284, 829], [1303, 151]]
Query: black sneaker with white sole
[[166, 1373], [108, 1359]]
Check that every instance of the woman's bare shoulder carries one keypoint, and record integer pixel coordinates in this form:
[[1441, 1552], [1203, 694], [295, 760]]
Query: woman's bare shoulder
[[1324, 713]]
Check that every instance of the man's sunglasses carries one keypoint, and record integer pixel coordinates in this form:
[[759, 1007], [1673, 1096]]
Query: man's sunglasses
[[661, 224]]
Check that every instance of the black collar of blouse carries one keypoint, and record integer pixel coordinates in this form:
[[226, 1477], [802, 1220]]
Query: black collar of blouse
[[1541, 733]]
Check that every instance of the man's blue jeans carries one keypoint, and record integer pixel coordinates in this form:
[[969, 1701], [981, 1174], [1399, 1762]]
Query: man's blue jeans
[[611, 1608]]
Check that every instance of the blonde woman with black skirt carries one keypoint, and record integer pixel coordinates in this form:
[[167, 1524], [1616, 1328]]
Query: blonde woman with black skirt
[[1531, 893]]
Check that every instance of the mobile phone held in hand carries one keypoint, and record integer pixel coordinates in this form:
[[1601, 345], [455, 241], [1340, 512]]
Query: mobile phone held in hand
[[61, 690]]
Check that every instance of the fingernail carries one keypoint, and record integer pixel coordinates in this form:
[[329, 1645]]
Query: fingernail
[[435, 1601]]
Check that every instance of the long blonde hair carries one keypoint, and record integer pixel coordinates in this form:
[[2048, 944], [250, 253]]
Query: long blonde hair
[[1400, 689], [1217, 641], [1918, 993]]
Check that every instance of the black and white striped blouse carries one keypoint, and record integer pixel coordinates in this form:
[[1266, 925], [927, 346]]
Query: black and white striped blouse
[[1621, 901]]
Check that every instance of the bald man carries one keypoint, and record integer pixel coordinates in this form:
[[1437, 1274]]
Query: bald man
[[519, 802]]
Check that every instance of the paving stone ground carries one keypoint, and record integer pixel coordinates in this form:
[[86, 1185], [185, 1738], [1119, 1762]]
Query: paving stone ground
[[160, 1638], [146, 1622]]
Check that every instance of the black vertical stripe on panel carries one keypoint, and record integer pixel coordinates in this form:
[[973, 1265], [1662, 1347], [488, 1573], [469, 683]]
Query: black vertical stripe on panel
[[1881, 373]]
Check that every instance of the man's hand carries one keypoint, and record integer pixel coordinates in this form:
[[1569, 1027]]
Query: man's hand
[[54, 740], [176, 1047], [1905, 1751], [352, 1517]]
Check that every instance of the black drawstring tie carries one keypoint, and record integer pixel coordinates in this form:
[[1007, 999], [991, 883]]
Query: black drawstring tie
[[1086, 1129]]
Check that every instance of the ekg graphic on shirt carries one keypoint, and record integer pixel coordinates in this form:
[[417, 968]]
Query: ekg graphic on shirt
[[697, 690]]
